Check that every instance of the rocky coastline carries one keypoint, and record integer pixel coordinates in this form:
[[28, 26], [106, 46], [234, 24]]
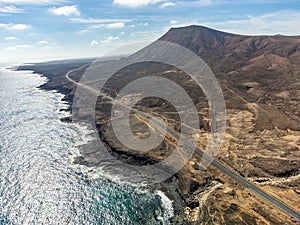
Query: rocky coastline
[[56, 81]]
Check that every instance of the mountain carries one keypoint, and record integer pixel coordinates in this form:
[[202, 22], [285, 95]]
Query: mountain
[[230, 51], [259, 68]]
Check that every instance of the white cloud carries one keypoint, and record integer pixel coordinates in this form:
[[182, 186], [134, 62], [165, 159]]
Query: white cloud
[[122, 33], [94, 42], [11, 38], [109, 39], [24, 46], [33, 2], [203, 3], [18, 27], [135, 3], [92, 20], [82, 31], [3, 25], [11, 26], [143, 24], [115, 25], [42, 42], [10, 9], [167, 4], [108, 26], [12, 48], [206, 2], [147, 34], [282, 22], [173, 21], [68, 10]]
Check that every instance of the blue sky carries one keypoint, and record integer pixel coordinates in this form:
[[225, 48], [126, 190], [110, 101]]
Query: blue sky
[[40, 30]]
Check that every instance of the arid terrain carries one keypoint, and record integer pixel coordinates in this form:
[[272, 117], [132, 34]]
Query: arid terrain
[[260, 79]]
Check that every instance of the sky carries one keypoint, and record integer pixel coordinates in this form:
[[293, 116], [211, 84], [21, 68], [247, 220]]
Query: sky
[[41, 30]]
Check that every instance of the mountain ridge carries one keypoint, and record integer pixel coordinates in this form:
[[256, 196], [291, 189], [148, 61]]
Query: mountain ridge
[[239, 59]]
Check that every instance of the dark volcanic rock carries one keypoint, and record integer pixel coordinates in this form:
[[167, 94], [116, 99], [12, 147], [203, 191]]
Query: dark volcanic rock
[[277, 167]]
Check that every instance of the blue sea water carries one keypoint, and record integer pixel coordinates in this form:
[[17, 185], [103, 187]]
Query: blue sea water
[[39, 184]]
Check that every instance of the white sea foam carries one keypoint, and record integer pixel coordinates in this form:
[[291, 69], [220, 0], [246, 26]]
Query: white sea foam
[[168, 207]]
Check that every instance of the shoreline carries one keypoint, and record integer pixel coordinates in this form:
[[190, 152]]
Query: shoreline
[[168, 190]]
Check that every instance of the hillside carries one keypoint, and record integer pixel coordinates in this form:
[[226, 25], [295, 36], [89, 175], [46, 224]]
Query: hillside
[[260, 79], [259, 68]]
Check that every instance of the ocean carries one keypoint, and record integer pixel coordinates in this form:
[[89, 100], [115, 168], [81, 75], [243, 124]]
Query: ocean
[[38, 182]]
